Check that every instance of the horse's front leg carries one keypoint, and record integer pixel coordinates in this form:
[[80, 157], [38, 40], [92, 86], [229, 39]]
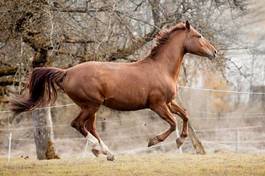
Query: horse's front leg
[[163, 111], [176, 109]]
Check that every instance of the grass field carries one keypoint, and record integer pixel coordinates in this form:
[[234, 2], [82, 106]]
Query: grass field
[[145, 164]]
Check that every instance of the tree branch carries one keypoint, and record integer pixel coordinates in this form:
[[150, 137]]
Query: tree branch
[[5, 71], [140, 42], [8, 82]]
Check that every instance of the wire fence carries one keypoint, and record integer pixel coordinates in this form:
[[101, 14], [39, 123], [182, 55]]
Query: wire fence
[[237, 144], [238, 131]]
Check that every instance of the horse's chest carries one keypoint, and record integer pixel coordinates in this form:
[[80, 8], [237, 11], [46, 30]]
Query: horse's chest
[[170, 93], [165, 92]]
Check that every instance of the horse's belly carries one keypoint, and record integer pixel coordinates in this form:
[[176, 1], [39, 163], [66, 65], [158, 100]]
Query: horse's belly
[[123, 105]]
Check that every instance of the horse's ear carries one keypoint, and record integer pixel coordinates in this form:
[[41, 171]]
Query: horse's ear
[[187, 25]]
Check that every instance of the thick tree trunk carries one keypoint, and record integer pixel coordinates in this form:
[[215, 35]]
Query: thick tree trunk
[[43, 134], [42, 121]]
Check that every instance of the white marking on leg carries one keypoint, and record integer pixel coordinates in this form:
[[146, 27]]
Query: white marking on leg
[[178, 136], [104, 147], [96, 147], [177, 133], [106, 150], [85, 150], [101, 145], [92, 138]]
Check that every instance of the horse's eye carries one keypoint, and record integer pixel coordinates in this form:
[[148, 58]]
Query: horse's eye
[[199, 36]]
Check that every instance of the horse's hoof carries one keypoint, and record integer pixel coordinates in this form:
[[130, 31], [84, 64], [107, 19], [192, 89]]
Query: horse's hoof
[[110, 157], [184, 135], [96, 152], [150, 143], [179, 141], [153, 141]]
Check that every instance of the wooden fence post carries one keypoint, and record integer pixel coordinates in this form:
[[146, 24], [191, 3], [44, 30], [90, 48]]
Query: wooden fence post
[[237, 140]]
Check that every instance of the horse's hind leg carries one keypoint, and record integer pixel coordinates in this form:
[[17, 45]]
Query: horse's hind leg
[[85, 124], [78, 122], [163, 111], [176, 109], [90, 126]]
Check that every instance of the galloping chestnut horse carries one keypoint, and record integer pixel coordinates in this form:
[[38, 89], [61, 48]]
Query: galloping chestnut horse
[[148, 83]]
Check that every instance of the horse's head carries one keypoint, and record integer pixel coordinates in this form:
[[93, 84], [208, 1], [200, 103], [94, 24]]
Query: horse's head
[[195, 43]]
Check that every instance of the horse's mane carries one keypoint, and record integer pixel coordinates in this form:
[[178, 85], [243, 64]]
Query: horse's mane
[[163, 36]]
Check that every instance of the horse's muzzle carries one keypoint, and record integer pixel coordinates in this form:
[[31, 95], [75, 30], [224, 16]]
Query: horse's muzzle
[[212, 55]]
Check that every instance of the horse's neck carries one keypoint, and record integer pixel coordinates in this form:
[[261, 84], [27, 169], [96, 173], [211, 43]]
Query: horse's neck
[[170, 60]]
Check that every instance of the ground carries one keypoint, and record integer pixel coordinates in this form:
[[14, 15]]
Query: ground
[[144, 164]]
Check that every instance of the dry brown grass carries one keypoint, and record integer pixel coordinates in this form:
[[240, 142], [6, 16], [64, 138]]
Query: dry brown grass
[[145, 164]]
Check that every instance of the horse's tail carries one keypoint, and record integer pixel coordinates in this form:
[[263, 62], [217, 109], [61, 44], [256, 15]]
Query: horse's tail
[[42, 89]]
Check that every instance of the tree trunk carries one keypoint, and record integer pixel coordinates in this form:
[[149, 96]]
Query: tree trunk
[[42, 121], [43, 134]]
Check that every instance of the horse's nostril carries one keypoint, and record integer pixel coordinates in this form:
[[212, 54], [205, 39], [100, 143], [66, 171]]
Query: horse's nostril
[[215, 52]]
